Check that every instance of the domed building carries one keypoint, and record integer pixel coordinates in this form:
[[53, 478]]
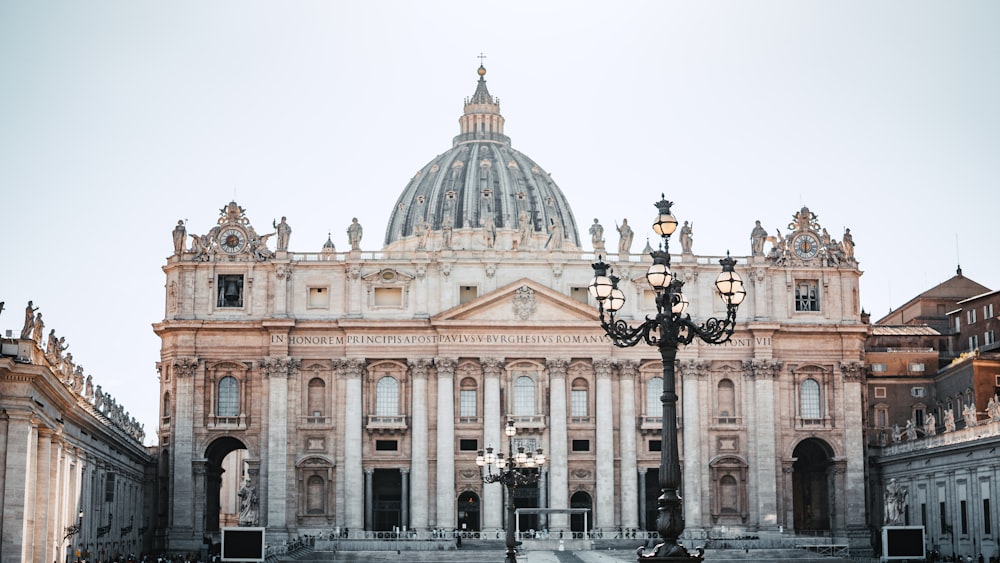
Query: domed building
[[349, 393]]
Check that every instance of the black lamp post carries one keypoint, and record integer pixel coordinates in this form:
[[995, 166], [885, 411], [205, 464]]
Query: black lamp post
[[511, 473], [667, 330], [75, 529]]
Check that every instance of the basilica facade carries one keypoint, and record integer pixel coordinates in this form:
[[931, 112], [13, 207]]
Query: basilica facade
[[356, 388]]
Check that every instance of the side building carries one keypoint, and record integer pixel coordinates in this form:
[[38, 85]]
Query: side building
[[74, 470], [356, 387]]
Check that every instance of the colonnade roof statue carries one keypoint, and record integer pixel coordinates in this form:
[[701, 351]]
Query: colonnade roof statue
[[482, 183]]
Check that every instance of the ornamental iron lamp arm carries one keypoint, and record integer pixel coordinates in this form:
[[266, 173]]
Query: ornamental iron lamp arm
[[668, 329]]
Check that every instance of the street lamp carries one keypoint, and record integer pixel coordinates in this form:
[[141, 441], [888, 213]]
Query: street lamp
[[511, 473], [667, 330]]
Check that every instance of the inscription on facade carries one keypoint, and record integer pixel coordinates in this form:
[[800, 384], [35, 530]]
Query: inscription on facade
[[748, 342], [407, 339]]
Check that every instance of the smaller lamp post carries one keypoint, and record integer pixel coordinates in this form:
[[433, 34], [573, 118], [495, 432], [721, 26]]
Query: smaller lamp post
[[511, 472]]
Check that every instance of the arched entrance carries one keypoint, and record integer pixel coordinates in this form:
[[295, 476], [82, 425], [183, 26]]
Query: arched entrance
[[579, 522], [468, 512], [810, 486], [224, 473]]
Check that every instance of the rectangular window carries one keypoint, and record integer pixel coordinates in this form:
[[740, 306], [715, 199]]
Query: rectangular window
[[654, 445], [958, 323], [918, 391], [386, 445], [468, 444], [881, 418], [923, 514], [580, 294], [880, 392], [109, 488], [578, 402], [918, 417], [807, 296], [581, 445], [467, 403], [467, 293], [987, 521], [319, 298], [971, 316], [973, 342], [987, 311], [965, 518], [230, 290], [388, 297], [917, 367], [989, 337], [878, 368]]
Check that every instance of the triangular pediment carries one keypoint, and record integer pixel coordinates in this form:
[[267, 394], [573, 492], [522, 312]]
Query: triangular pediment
[[524, 301]]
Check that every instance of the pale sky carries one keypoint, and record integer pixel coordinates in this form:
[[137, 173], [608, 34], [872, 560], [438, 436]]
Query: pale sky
[[117, 119]]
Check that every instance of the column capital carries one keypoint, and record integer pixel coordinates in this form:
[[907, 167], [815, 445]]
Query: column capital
[[492, 367], [280, 366], [852, 371], [602, 367], [420, 367], [351, 368], [446, 366], [693, 369], [557, 367], [628, 369], [764, 369], [185, 367]]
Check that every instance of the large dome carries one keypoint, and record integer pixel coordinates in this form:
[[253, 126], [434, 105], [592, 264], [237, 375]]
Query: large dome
[[480, 176]]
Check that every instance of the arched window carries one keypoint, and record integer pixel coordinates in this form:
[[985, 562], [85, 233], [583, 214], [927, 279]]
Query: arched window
[[315, 495], [387, 397], [316, 399], [654, 407], [809, 394], [726, 402], [166, 407], [524, 396], [578, 398], [229, 397]]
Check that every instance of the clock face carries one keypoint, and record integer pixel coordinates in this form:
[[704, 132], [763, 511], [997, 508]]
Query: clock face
[[806, 246], [232, 240]]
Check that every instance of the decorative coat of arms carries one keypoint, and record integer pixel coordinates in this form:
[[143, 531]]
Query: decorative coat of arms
[[524, 302]]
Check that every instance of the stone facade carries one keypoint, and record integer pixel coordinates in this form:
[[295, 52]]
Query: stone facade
[[359, 386]]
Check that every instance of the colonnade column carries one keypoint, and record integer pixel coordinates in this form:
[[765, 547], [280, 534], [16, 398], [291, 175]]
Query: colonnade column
[[354, 513], [446, 442], [559, 468], [418, 459], [762, 470], [492, 505], [369, 498], [642, 499], [629, 500], [604, 513], [404, 483], [44, 509]]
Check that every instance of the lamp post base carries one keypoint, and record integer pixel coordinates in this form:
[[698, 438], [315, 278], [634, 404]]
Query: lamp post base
[[674, 553]]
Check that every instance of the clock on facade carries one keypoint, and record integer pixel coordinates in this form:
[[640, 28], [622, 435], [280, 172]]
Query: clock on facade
[[232, 240], [806, 246]]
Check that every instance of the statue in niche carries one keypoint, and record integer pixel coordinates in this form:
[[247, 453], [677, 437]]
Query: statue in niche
[[284, 231], [248, 504], [757, 236], [420, 230], [597, 236], [686, 238], [354, 232], [625, 236], [180, 234], [895, 503]]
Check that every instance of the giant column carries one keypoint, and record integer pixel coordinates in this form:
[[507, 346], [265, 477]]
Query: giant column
[[854, 479], [628, 482], [419, 474], [277, 370], [763, 472], [559, 470], [492, 507], [354, 498], [604, 503], [446, 443], [182, 499], [691, 373]]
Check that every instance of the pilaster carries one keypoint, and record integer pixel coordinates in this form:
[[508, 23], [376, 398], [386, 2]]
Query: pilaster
[[559, 468], [446, 443]]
